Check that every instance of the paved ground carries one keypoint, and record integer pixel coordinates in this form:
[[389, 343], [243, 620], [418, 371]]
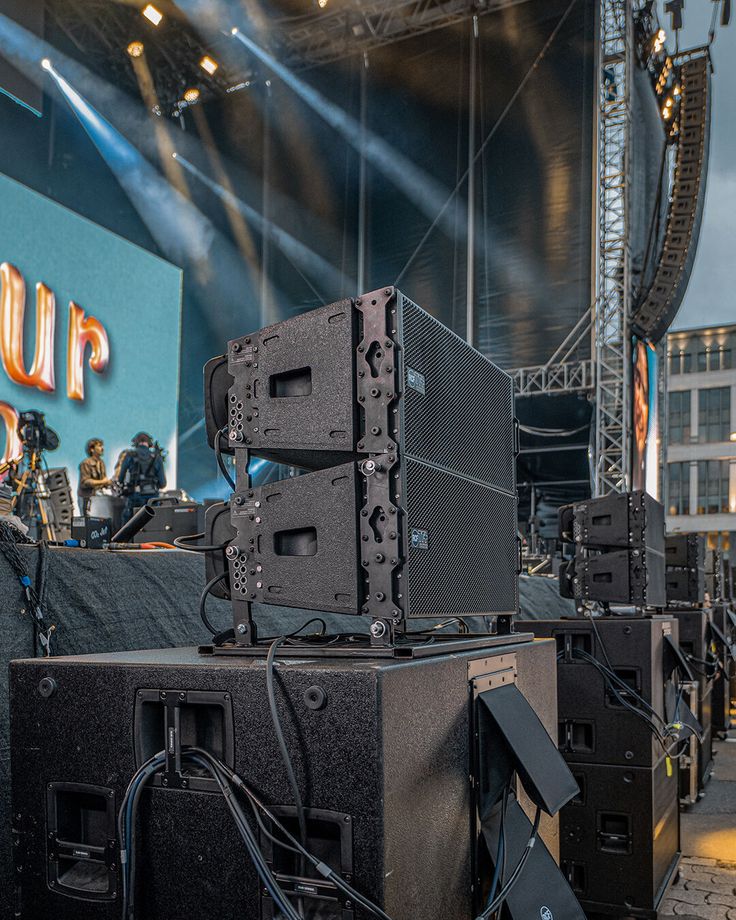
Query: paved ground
[[706, 889]]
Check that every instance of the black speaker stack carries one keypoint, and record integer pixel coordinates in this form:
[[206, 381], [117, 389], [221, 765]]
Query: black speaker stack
[[397, 757], [691, 571], [618, 543], [60, 501], [617, 685], [623, 724], [408, 437]]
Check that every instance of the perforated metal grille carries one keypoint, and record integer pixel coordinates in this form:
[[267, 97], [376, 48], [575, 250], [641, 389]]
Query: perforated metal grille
[[469, 564], [464, 419]]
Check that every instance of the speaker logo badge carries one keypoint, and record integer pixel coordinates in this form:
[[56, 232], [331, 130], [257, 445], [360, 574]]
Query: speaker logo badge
[[416, 381], [545, 913], [419, 539]]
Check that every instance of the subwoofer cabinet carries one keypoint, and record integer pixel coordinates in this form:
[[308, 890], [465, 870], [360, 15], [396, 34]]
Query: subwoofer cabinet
[[620, 839], [385, 753], [724, 621], [594, 726], [696, 641]]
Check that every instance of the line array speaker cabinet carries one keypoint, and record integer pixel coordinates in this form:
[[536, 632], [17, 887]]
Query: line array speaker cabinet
[[409, 508], [660, 303], [685, 568], [388, 798], [61, 504], [619, 550]]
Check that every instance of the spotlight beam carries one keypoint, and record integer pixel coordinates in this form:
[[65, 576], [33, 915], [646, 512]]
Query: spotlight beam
[[301, 256], [425, 192]]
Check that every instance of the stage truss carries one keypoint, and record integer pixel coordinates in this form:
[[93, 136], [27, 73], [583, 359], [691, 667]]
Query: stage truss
[[603, 331]]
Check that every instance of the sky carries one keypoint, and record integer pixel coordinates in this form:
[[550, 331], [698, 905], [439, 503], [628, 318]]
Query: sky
[[711, 295]]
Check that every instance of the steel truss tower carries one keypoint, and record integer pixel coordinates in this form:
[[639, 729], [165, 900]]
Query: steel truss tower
[[611, 345], [606, 374]]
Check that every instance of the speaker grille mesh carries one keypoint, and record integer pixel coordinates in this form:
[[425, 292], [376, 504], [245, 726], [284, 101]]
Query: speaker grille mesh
[[464, 419], [469, 564]]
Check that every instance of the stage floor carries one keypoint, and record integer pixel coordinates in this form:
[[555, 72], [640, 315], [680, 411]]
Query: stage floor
[[706, 889]]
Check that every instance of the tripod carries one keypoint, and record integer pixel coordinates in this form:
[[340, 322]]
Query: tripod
[[30, 498]]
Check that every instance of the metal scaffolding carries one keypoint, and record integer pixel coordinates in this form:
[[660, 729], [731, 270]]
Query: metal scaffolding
[[612, 443], [606, 375]]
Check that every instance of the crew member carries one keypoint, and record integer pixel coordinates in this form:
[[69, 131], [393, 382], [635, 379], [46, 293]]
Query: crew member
[[92, 474], [141, 474]]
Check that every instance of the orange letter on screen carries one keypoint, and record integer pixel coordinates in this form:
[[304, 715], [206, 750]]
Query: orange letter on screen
[[83, 331], [12, 311], [13, 447]]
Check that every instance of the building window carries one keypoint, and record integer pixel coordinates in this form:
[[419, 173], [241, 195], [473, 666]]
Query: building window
[[679, 417], [687, 362], [702, 361], [712, 486], [678, 488], [714, 414], [724, 359]]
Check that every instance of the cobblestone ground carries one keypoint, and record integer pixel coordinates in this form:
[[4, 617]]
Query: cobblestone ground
[[706, 888]]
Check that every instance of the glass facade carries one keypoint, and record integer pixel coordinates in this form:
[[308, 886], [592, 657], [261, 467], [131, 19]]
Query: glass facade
[[679, 417], [712, 486], [714, 415], [678, 488]]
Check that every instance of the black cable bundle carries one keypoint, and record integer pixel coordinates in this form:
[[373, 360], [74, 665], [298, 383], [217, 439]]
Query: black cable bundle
[[10, 537]]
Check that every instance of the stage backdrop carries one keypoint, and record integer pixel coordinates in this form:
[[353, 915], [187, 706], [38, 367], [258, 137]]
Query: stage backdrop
[[89, 331]]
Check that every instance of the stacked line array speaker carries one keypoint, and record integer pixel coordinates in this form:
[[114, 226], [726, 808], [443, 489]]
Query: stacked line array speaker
[[660, 303], [619, 838], [408, 434], [618, 550], [61, 504], [685, 574]]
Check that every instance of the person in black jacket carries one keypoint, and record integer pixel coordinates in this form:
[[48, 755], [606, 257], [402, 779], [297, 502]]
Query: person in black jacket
[[140, 472]]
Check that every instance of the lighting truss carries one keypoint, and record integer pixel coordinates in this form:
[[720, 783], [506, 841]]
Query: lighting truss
[[359, 27], [612, 444]]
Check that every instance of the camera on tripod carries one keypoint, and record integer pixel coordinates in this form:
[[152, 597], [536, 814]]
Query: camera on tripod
[[35, 433]]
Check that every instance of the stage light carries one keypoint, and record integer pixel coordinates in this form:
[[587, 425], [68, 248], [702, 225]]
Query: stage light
[[152, 14], [321, 4], [677, 90], [191, 95], [46, 64], [661, 36], [208, 64], [666, 112], [135, 49], [733, 436]]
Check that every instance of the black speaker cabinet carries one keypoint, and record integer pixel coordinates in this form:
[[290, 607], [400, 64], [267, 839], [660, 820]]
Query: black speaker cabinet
[[724, 622], [173, 518], [619, 550], [696, 641], [620, 839], [594, 727], [382, 750], [410, 508]]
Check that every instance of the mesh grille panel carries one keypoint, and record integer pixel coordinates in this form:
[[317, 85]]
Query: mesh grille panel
[[464, 420], [469, 565]]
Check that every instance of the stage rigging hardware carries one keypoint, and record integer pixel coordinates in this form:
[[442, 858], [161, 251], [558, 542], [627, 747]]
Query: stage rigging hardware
[[409, 506]]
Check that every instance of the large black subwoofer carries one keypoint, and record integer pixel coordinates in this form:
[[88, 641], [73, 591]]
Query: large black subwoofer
[[392, 802]]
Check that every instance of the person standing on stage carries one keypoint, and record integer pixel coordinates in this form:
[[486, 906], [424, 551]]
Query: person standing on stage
[[141, 473], [92, 474]]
